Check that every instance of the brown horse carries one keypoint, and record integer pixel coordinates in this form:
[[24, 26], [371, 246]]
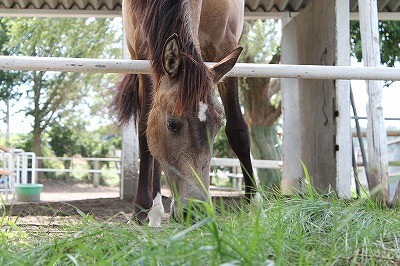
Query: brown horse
[[179, 114]]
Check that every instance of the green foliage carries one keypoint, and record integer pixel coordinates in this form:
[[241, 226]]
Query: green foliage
[[389, 33], [261, 41], [94, 146], [61, 37], [221, 148], [63, 141], [21, 141], [8, 79]]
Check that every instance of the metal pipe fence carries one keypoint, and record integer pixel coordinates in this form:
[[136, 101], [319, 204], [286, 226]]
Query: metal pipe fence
[[84, 65]]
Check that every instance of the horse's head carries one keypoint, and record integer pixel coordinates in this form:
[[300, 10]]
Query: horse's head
[[181, 141]]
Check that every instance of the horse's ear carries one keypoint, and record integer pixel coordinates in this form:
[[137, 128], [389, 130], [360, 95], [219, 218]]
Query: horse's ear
[[225, 65], [171, 55]]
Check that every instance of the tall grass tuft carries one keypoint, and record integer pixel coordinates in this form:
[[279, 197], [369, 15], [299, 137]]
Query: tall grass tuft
[[280, 231]]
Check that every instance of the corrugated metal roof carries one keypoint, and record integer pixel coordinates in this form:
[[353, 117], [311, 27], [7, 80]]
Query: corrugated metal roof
[[62, 4], [275, 5], [115, 5], [383, 5]]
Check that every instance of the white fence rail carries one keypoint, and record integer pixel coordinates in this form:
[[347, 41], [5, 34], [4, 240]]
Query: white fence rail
[[72, 170], [240, 69], [215, 162], [231, 162]]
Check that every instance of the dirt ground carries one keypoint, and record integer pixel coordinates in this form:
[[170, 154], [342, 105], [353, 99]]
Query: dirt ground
[[62, 202]]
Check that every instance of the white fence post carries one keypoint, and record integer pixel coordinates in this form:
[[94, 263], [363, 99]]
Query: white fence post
[[394, 177], [96, 175], [292, 171], [376, 132], [33, 166], [24, 169]]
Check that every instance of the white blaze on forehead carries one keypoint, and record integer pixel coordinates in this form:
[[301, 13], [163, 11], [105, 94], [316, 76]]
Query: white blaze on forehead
[[156, 212], [202, 111]]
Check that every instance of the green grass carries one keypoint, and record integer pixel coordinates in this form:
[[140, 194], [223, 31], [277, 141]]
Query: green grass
[[297, 231]]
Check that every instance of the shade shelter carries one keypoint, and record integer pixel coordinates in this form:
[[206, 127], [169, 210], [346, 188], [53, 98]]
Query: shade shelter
[[316, 112]]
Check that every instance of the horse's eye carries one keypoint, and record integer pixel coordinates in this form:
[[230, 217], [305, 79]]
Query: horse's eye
[[174, 126]]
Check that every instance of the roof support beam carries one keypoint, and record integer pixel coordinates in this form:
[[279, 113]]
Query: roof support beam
[[58, 13], [248, 15]]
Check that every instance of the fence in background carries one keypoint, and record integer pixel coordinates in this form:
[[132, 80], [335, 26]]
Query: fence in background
[[22, 164], [17, 167], [94, 167]]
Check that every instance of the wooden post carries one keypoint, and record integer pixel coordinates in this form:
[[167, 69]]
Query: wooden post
[[292, 171], [342, 102], [130, 152], [316, 113], [376, 133], [96, 175], [394, 182]]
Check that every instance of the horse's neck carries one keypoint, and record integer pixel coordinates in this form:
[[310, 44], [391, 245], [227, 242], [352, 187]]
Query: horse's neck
[[194, 20]]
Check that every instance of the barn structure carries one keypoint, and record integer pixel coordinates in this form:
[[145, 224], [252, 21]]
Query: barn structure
[[316, 112]]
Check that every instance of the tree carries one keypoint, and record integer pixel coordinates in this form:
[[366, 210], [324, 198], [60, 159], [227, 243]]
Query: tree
[[7, 78], [389, 32], [51, 93], [261, 97]]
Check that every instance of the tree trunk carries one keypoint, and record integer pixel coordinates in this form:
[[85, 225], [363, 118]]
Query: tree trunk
[[37, 149], [261, 115], [67, 166], [265, 145], [37, 130], [261, 102]]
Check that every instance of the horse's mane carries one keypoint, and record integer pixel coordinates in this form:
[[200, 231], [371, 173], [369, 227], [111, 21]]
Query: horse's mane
[[160, 19]]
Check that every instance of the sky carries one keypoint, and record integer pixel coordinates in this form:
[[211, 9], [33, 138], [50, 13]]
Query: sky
[[390, 100]]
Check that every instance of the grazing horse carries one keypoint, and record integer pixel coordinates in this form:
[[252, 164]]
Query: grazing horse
[[178, 112]]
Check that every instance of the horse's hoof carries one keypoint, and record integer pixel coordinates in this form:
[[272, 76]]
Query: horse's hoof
[[156, 212]]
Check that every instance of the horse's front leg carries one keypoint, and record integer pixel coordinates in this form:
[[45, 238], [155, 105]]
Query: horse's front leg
[[143, 199], [237, 131], [148, 201]]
